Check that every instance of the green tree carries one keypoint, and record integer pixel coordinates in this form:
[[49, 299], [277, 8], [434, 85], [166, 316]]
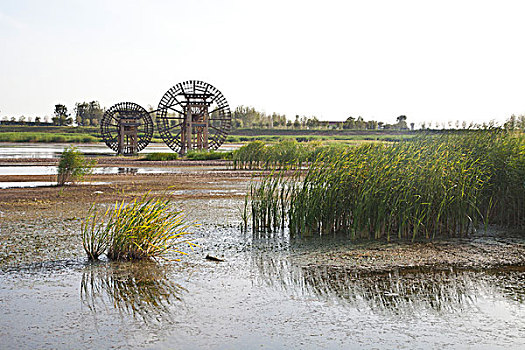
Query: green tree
[[88, 113], [297, 122], [61, 116], [95, 113], [312, 122], [81, 113], [349, 123], [401, 122]]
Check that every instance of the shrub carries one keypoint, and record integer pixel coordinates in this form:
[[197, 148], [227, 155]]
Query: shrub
[[73, 166], [144, 228]]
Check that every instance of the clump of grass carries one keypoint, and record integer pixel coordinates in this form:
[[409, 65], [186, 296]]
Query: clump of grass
[[161, 156], [73, 166], [444, 185], [142, 229]]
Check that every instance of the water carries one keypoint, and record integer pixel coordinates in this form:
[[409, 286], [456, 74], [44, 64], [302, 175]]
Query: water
[[265, 294], [31, 184], [13, 150], [53, 170], [35, 170], [258, 297], [10, 150]]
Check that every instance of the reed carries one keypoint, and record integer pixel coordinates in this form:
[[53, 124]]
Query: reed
[[445, 185], [288, 154], [268, 203], [161, 156], [207, 155], [144, 228]]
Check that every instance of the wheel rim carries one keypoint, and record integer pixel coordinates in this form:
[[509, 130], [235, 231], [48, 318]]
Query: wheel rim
[[173, 113], [112, 118]]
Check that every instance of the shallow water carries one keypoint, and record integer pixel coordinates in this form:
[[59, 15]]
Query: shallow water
[[53, 170], [262, 295], [45, 150], [257, 297], [29, 184]]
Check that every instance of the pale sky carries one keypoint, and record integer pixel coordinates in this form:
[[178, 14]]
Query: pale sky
[[429, 60]]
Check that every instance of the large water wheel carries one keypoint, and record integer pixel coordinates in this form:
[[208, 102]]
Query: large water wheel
[[126, 128], [193, 115]]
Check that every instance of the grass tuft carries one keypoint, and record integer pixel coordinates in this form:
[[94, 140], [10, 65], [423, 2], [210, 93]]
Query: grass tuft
[[142, 229]]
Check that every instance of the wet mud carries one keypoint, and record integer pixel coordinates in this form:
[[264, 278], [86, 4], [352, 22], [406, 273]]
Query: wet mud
[[268, 291]]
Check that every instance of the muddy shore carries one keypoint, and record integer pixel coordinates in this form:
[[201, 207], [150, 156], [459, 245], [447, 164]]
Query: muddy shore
[[28, 213]]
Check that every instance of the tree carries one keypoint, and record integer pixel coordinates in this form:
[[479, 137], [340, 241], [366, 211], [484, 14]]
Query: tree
[[312, 122], [349, 123], [360, 123], [61, 116], [81, 113], [511, 123], [95, 113], [401, 122], [88, 113], [296, 123]]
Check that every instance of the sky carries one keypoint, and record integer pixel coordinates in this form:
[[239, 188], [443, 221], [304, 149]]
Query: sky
[[433, 61]]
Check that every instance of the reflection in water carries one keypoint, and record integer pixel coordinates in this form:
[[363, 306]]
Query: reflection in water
[[131, 171], [141, 289], [405, 292]]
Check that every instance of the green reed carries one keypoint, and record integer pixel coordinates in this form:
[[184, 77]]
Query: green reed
[[144, 228], [268, 203], [444, 185], [284, 154]]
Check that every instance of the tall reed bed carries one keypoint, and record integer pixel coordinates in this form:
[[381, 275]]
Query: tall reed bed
[[284, 154], [443, 185]]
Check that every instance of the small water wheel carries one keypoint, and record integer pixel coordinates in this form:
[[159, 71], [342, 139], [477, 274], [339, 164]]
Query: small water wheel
[[193, 115], [126, 128]]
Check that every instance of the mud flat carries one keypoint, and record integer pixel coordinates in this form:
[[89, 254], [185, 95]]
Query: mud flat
[[270, 290], [494, 248]]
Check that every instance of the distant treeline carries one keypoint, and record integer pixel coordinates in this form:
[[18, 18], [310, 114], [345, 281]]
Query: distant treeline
[[246, 117], [249, 117]]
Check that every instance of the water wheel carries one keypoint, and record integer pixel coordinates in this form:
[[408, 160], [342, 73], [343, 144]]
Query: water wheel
[[126, 128], [193, 115]]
